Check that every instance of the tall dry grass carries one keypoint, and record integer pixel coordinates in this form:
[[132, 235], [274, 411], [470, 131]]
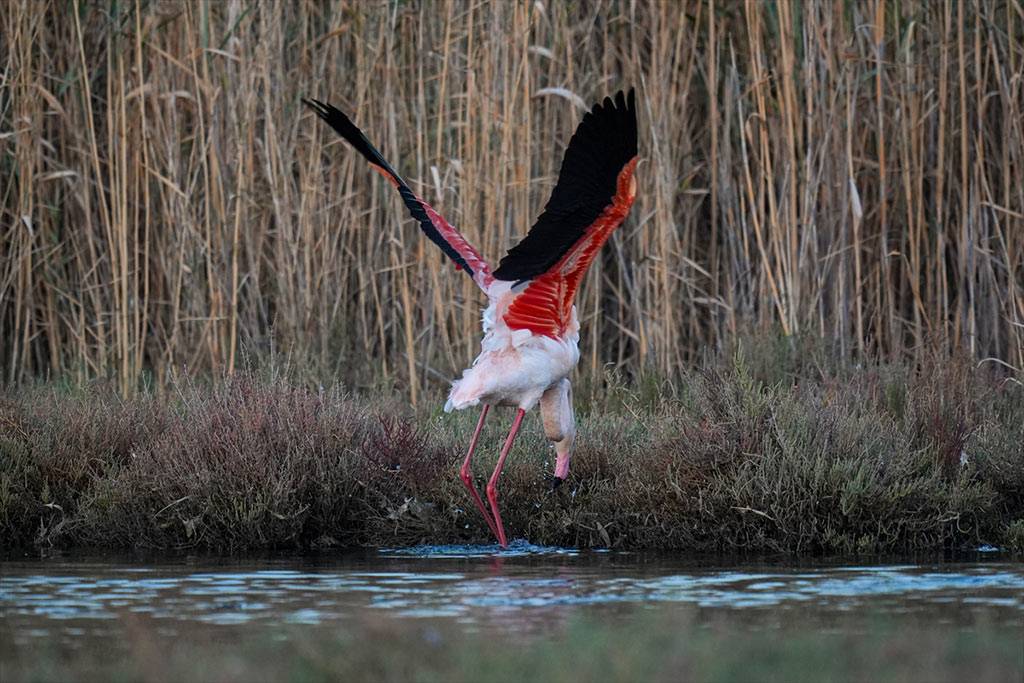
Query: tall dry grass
[[845, 169]]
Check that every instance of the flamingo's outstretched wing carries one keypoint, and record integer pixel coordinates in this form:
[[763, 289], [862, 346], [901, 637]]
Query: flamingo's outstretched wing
[[433, 225], [594, 192]]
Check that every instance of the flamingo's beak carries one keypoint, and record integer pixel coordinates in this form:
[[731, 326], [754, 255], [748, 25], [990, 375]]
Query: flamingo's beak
[[556, 482]]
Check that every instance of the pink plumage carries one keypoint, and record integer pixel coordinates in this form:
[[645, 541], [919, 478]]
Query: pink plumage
[[530, 326]]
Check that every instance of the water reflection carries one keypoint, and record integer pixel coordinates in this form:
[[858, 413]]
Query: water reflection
[[520, 588]]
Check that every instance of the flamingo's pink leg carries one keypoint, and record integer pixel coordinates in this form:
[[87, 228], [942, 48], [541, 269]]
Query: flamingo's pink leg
[[492, 485], [466, 473]]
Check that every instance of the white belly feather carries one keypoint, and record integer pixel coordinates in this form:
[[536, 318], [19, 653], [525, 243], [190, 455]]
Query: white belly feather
[[514, 366]]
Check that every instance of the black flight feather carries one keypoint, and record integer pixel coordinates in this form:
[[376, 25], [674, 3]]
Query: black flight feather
[[604, 142], [348, 130]]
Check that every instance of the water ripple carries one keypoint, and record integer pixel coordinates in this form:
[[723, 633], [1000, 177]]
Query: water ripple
[[41, 600]]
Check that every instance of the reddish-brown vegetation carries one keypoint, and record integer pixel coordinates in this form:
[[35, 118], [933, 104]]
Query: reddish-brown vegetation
[[739, 457]]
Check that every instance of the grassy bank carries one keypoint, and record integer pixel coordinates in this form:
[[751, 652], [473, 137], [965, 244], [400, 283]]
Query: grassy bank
[[769, 451], [651, 648]]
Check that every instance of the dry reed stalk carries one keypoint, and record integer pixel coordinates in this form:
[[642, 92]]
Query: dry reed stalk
[[848, 170]]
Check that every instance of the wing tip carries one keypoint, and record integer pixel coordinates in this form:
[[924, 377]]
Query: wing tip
[[609, 127], [319, 108], [621, 105], [418, 209], [620, 100], [351, 133]]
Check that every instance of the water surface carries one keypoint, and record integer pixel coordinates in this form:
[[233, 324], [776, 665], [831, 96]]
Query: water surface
[[77, 600]]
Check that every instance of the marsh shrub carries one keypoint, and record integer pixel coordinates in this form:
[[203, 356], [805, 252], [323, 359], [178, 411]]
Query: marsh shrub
[[818, 460], [740, 465], [58, 453], [245, 464], [248, 463]]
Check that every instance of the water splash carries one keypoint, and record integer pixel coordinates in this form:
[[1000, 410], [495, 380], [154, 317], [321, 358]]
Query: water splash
[[517, 548]]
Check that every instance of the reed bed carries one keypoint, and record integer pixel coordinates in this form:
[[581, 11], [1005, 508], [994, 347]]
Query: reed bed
[[850, 170]]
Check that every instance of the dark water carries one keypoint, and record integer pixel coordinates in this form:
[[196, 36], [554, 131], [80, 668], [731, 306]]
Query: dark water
[[74, 600]]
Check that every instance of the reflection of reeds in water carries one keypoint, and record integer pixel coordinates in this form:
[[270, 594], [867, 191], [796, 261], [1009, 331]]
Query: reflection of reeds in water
[[845, 169]]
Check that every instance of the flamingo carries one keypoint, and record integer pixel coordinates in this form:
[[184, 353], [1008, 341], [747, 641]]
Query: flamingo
[[531, 329]]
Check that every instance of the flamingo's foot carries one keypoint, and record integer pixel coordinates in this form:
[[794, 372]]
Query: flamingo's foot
[[492, 496], [467, 480]]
